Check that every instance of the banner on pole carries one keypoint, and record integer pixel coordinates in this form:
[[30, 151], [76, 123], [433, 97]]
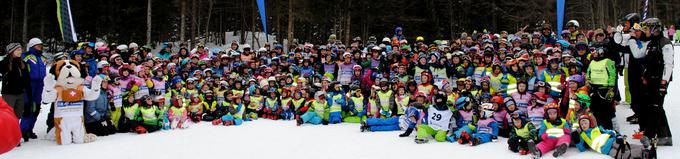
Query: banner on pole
[[68, 31], [560, 17], [263, 17]]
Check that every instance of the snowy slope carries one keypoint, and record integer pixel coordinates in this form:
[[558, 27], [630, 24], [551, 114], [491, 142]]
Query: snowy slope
[[282, 139]]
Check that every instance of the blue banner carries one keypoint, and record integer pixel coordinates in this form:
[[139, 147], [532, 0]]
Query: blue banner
[[263, 17], [560, 17]]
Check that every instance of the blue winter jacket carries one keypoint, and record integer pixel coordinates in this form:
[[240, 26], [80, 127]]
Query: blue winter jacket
[[97, 110]]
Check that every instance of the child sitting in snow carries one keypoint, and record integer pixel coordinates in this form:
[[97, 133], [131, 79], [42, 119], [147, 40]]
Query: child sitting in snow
[[149, 116], [500, 114], [317, 112], [211, 108], [255, 105], [535, 110], [272, 106], [487, 127], [438, 121], [554, 133], [608, 142], [130, 113], [337, 102], [177, 114], [465, 120], [195, 108], [356, 104], [235, 112], [521, 133], [286, 105]]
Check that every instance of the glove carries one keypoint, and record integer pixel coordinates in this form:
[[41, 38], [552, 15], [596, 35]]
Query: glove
[[662, 88], [575, 137], [619, 70], [610, 93]]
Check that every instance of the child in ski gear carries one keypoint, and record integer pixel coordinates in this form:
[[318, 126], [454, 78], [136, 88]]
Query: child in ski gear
[[438, 120], [272, 107], [128, 121], [177, 114], [211, 110], [195, 108], [577, 107], [521, 134], [97, 116], [115, 96], [554, 133], [286, 105], [337, 102], [466, 119], [487, 127], [255, 106], [385, 99], [608, 142], [149, 116], [536, 111], [317, 112], [356, 104], [235, 112]]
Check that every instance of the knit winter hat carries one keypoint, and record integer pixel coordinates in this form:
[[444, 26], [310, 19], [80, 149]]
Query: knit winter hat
[[11, 47]]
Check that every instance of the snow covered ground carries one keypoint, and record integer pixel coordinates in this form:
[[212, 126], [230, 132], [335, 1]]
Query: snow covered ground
[[282, 139]]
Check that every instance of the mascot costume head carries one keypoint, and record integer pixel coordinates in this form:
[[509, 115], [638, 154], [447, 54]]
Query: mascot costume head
[[64, 87]]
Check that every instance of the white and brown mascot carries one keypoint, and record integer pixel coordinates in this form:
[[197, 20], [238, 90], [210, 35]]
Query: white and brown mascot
[[64, 87]]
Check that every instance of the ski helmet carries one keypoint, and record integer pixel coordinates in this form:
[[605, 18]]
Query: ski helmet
[[573, 23]]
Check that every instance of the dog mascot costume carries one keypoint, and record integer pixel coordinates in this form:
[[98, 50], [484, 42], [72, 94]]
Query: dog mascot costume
[[64, 86]]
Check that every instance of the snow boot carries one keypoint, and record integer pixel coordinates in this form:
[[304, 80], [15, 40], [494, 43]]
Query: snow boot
[[216, 122], [364, 127], [407, 133], [475, 142], [324, 122], [228, 123], [464, 138], [523, 152], [25, 135], [420, 141], [33, 136], [298, 121], [140, 130], [664, 141], [535, 153], [560, 150]]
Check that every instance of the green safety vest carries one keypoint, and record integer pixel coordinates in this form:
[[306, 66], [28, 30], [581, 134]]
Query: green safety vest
[[131, 111], [523, 132], [255, 102], [358, 103], [598, 141], [297, 103], [149, 115], [336, 107], [384, 99], [319, 108], [402, 102], [598, 72], [271, 102], [552, 130]]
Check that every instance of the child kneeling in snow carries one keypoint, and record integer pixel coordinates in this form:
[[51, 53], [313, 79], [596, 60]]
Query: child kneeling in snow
[[195, 108], [128, 121], [438, 119], [608, 142], [521, 133], [356, 104]]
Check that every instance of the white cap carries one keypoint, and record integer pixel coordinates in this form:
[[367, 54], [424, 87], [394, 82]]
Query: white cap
[[101, 64], [33, 42], [246, 46], [122, 47], [133, 45]]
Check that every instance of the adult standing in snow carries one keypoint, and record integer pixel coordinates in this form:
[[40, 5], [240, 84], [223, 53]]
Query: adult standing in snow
[[37, 71], [15, 79], [656, 54]]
